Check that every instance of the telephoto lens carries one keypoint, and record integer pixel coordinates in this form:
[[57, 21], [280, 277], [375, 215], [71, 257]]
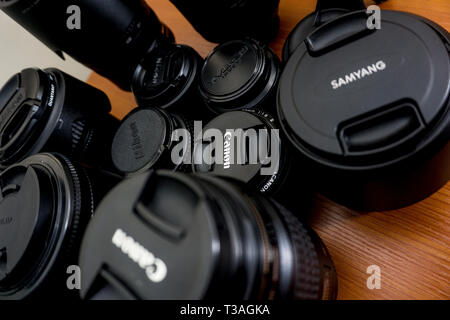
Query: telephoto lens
[[50, 111], [167, 78], [172, 236], [45, 204], [373, 131], [247, 148], [147, 138], [222, 20], [240, 74], [109, 36]]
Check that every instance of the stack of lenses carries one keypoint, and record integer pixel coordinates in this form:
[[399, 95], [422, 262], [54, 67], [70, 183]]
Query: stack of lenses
[[202, 190]]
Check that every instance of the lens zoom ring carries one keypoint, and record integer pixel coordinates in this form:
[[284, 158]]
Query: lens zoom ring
[[307, 284]]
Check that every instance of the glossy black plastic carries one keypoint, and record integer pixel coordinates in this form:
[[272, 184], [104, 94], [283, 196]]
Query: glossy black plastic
[[50, 111], [223, 20], [45, 204], [375, 129], [113, 37], [168, 235], [240, 74]]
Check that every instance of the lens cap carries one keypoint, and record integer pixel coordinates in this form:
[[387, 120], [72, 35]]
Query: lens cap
[[40, 213], [24, 102], [144, 139], [166, 75], [239, 75], [145, 243], [385, 102], [245, 152]]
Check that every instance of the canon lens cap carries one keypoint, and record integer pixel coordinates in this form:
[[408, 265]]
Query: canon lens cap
[[386, 101], [146, 243], [247, 138], [41, 205], [239, 75]]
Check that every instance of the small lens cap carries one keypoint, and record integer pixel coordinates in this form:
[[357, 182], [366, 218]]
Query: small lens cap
[[387, 97], [33, 221], [166, 75], [244, 150], [151, 238], [141, 140], [238, 75]]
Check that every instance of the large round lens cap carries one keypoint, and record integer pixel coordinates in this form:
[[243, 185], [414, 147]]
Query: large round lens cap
[[30, 205], [140, 140], [236, 73], [151, 238], [23, 102], [246, 137], [363, 100]]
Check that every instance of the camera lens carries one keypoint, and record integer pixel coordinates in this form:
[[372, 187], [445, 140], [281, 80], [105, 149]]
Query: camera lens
[[145, 141], [372, 139], [109, 36], [49, 111], [167, 78], [45, 204], [252, 151], [169, 235], [223, 20], [240, 74]]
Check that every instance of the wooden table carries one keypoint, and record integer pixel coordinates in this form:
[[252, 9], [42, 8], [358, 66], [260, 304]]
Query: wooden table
[[411, 245]]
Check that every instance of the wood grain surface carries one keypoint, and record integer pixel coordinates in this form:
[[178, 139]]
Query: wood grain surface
[[411, 245]]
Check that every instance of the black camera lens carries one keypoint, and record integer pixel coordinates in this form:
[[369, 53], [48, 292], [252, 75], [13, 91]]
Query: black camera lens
[[167, 78], [50, 111], [222, 20], [109, 36], [145, 140], [45, 204], [169, 235], [252, 151], [240, 74], [375, 128]]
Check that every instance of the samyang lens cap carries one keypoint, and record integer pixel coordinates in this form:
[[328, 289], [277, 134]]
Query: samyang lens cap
[[247, 137], [238, 75], [387, 101], [39, 216], [141, 139], [151, 239]]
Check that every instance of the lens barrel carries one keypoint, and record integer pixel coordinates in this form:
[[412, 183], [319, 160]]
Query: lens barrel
[[46, 202], [168, 235], [112, 42], [50, 111]]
